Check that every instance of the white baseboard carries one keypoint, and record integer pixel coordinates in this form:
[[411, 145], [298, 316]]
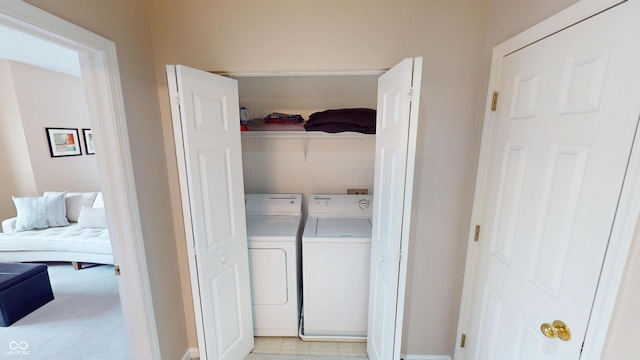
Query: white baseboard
[[192, 353], [426, 357]]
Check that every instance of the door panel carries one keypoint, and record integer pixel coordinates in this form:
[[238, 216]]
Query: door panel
[[218, 223], [509, 201], [393, 184], [213, 194], [564, 177], [226, 307], [559, 146]]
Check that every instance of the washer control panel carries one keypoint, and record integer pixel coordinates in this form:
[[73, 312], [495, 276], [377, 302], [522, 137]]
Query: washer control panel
[[340, 205], [364, 204]]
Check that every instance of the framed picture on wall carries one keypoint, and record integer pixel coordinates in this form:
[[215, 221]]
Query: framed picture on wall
[[63, 142], [88, 142]]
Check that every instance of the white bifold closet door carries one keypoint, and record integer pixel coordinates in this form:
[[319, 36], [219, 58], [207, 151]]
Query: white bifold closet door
[[207, 134], [205, 111], [396, 132]]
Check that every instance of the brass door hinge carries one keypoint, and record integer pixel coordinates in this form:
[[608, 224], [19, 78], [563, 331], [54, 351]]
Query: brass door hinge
[[463, 339], [494, 101], [116, 269], [476, 235]]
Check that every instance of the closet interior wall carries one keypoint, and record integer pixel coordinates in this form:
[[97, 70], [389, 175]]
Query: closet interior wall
[[309, 162]]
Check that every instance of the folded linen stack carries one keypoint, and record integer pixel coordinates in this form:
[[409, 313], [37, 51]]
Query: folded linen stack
[[281, 118], [360, 120], [260, 124], [277, 122]]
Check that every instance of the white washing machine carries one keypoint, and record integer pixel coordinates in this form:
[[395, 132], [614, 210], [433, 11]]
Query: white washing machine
[[336, 247], [274, 227]]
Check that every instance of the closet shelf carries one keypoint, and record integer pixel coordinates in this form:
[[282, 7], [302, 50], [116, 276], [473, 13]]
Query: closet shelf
[[304, 134]]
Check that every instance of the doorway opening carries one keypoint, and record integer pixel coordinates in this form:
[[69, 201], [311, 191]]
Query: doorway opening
[[30, 60], [207, 152], [101, 79]]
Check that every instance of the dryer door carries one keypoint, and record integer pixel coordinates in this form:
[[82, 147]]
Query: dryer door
[[268, 270]]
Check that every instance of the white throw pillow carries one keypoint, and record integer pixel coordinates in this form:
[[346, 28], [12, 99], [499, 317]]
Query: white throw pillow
[[99, 202], [57, 210], [40, 212], [92, 218], [32, 213], [75, 201]]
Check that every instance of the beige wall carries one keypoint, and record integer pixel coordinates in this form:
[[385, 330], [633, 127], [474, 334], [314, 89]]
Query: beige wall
[[126, 23], [52, 99], [318, 165], [454, 36], [288, 35], [508, 18], [17, 175], [32, 99]]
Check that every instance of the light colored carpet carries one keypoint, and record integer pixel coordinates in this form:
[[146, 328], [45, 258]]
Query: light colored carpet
[[84, 322]]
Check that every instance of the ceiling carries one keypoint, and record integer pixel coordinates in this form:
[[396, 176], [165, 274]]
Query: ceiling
[[18, 46]]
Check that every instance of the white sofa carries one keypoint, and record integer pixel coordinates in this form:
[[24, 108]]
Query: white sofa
[[79, 242]]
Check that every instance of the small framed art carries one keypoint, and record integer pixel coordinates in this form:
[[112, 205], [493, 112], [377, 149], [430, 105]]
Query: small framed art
[[88, 142], [63, 142]]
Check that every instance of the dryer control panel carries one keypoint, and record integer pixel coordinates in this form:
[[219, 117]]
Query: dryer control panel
[[273, 204], [340, 205]]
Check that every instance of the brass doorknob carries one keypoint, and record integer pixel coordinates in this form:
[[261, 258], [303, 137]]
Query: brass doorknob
[[548, 330], [558, 329], [564, 333]]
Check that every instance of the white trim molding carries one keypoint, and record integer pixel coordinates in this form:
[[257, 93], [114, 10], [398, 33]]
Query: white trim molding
[[628, 209], [191, 353], [101, 78]]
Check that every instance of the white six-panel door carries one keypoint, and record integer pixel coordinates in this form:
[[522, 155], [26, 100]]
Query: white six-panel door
[[560, 142], [396, 131], [206, 124]]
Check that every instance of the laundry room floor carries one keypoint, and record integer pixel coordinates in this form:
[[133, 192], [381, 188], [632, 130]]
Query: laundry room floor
[[277, 348]]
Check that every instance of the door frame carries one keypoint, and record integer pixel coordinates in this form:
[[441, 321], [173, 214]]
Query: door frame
[[628, 210], [103, 89], [400, 293]]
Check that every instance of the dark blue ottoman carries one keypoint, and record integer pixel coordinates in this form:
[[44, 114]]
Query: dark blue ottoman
[[23, 289]]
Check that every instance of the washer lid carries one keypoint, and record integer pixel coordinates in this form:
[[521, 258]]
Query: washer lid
[[354, 226]]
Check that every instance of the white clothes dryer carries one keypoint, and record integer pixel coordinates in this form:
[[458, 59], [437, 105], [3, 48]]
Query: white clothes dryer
[[274, 227], [336, 247]]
